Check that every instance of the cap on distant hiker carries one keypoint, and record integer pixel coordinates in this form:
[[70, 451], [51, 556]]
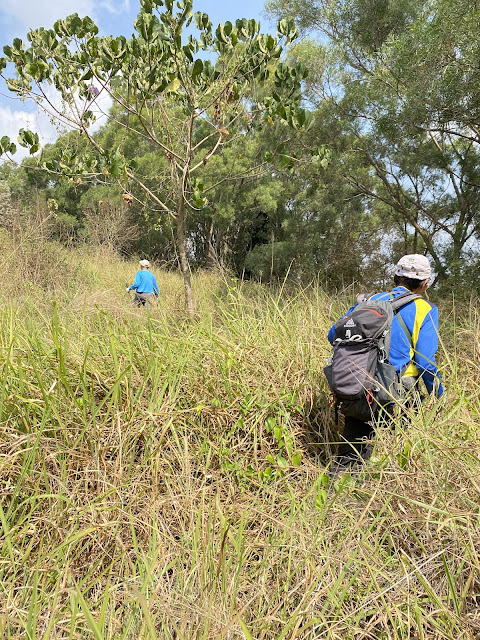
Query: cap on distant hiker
[[144, 263], [414, 266]]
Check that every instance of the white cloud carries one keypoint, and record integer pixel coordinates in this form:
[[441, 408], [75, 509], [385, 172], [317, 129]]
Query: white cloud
[[12, 120], [116, 7], [31, 14]]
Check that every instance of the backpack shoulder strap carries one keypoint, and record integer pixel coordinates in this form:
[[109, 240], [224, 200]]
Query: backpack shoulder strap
[[403, 299], [363, 297], [397, 304], [405, 329]]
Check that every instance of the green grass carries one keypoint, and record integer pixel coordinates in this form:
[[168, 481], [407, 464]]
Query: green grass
[[165, 479]]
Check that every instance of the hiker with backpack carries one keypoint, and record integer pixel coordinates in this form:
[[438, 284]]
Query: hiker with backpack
[[144, 285], [382, 347]]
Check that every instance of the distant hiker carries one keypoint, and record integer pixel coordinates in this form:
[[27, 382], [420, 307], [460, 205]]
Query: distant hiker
[[382, 347], [145, 286]]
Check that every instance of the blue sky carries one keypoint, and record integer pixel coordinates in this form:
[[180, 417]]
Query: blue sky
[[113, 17]]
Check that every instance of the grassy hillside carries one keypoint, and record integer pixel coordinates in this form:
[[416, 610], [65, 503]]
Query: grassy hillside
[[163, 479]]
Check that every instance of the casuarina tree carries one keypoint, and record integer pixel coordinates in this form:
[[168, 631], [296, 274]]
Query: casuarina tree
[[187, 95]]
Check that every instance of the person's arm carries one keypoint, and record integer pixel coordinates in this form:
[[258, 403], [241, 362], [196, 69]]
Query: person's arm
[[425, 351], [136, 282], [331, 333]]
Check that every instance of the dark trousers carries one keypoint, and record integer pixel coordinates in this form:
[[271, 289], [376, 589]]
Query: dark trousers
[[353, 446]]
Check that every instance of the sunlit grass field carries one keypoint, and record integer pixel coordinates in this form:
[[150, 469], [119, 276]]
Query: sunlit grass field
[[167, 479]]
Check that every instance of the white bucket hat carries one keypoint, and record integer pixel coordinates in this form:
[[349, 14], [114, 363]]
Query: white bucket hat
[[414, 266], [144, 263]]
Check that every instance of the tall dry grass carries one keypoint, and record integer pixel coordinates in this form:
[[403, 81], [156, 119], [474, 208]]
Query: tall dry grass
[[164, 479]]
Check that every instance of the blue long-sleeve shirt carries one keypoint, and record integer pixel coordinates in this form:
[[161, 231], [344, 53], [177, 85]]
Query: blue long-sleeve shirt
[[145, 282], [416, 359]]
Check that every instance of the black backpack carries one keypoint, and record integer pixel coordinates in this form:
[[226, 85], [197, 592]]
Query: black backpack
[[360, 375]]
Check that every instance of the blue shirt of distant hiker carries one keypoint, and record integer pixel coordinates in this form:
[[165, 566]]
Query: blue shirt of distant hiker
[[416, 359], [145, 282]]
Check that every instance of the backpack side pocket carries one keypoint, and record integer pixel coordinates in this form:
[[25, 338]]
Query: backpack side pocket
[[353, 368], [389, 384]]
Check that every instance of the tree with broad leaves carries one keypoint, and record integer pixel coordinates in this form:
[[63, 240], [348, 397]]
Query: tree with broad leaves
[[185, 106], [403, 81]]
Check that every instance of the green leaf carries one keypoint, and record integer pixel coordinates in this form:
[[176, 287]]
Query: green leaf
[[17, 45], [245, 629], [27, 138], [88, 116], [197, 68], [89, 26], [253, 27], [321, 499], [220, 33], [202, 21], [187, 50], [286, 27], [265, 475], [92, 623], [324, 480], [262, 45], [282, 26], [144, 25], [301, 117], [6, 146], [199, 200], [297, 459], [32, 69], [197, 183], [52, 165], [146, 5], [60, 28], [88, 75], [402, 458], [91, 162], [74, 24], [115, 164], [13, 86], [173, 85], [284, 161], [270, 424]]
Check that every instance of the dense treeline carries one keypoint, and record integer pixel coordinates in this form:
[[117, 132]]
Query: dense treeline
[[385, 160]]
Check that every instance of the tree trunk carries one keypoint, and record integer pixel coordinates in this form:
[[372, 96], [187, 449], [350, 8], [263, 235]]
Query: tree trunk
[[212, 259], [184, 263]]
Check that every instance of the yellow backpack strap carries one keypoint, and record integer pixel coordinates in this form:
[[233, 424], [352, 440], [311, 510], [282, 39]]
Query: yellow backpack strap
[[398, 303]]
